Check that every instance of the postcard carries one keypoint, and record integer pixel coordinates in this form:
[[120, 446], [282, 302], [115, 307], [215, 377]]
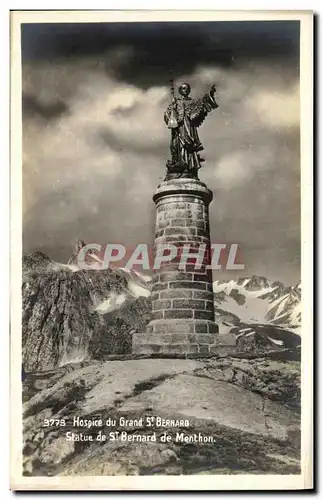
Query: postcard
[[161, 250]]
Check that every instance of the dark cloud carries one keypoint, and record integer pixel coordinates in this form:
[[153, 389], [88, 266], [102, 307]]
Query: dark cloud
[[92, 173], [32, 107], [157, 51]]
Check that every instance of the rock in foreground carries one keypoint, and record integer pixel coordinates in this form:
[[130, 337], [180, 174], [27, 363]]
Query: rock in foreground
[[250, 432]]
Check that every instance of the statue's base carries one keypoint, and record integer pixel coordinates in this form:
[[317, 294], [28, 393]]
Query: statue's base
[[179, 170], [144, 346], [171, 337], [182, 317], [174, 345]]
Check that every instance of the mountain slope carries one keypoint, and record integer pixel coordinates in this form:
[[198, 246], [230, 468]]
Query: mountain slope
[[67, 310], [71, 314], [257, 299]]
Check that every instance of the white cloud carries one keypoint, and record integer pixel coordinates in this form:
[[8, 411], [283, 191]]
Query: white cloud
[[276, 109], [238, 167], [68, 150], [108, 187]]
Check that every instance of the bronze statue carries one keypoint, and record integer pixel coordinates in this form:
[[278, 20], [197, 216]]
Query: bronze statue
[[183, 116]]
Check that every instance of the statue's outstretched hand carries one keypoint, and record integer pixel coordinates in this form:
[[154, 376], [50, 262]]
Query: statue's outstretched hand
[[212, 90]]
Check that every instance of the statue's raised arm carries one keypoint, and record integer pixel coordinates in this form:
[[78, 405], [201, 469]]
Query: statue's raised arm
[[183, 116]]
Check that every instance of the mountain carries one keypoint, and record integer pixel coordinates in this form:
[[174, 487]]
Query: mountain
[[73, 318], [262, 314], [69, 313], [91, 256], [72, 314], [257, 299], [36, 261]]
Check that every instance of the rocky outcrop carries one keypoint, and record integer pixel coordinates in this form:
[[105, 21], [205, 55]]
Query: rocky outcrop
[[262, 338], [71, 314], [231, 401], [36, 261], [60, 315], [117, 327]]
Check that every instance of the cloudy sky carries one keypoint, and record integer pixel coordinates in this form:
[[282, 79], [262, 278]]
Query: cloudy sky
[[95, 144]]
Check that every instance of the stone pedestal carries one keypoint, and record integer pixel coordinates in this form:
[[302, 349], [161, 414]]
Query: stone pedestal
[[182, 299]]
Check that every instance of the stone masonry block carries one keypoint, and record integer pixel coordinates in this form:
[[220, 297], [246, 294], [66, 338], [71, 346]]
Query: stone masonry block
[[178, 338], [162, 208], [179, 313], [179, 230], [188, 304], [178, 214], [191, 268], [179, 205], [173, 326], [178, 222], [213, 328], [159, 286], [173, 238], [176, 294], [189, 284], [169, 267], [204, 339], [148, 338], [193, 245], [157, 315], [208, 305], [203, 315], [200, 225], [180, 349], [201, 277], [204, 349], [197, 216], [203, 295], [201, 327], [149, 349], [162, 224], [175, 276], [199, 239], [198, 232]]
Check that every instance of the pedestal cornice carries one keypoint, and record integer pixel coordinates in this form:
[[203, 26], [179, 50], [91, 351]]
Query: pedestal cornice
[[184, 186]]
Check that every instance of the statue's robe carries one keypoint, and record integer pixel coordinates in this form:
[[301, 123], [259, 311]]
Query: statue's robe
[[185, 142]]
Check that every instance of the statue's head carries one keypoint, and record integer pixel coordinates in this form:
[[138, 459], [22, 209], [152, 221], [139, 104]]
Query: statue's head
[[185, 89]]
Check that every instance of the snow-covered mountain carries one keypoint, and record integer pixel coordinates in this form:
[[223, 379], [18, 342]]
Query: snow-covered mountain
[[71, 313], [257, 299]]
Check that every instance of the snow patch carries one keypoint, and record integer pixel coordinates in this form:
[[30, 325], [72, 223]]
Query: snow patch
[[296, 314], [276, 341], [138, 290], [281, 303], [112, 303], [258, 305], [70, 267]]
